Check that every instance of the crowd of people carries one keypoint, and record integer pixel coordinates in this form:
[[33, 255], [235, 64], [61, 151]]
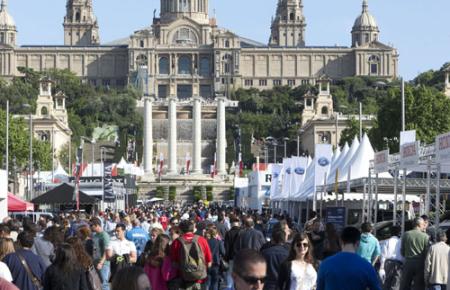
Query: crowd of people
[[200, 248]]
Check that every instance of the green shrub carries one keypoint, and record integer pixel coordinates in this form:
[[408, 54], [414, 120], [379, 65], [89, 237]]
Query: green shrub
[[209, 193], [159, 192], [197, 192], [172, 193]]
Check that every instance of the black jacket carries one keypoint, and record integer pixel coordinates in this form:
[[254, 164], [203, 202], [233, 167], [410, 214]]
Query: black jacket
[[275, 256], [56, 279], [284, 276], [230, 239], [249, 239]]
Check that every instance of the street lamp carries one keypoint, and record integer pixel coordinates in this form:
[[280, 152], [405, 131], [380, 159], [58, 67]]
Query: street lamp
[[272, 141], [285, 139], [30, 164]]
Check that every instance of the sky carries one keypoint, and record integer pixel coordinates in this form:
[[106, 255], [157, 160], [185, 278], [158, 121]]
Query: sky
[[417, 28]]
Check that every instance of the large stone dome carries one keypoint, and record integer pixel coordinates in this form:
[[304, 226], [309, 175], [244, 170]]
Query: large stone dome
[[365, 21], [6, 20]]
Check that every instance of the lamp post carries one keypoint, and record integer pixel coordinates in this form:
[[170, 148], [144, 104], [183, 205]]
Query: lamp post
[[30, 164], [285, 139]]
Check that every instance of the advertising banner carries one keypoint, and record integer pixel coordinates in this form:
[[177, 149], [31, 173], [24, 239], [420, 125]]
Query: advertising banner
[[299, 166], [324, 153], [409, 154], [443, 148], [287, 175], [275, 183], [381, 161]]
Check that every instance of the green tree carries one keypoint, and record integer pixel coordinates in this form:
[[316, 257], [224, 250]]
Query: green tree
[[427, 112]]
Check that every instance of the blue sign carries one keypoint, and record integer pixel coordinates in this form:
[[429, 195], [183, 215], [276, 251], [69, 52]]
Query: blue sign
[[323, 161], [336, 216], [299, 170], [276, 175], [288, 171]]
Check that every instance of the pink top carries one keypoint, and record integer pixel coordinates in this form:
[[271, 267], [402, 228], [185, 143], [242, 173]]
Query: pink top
[[159, 276]]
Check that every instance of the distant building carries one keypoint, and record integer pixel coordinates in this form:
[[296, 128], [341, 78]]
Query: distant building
[[320, 124], [50, 121]]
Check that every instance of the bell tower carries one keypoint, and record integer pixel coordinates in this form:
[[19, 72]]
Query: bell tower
[[80, 24], [288, 26]]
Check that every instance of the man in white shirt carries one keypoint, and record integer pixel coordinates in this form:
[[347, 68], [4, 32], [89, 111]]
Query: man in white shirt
[[120, 251], [392, 260]]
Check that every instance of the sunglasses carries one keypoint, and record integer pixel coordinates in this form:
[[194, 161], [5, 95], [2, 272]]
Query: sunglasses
[[253, 280], [304, 245]]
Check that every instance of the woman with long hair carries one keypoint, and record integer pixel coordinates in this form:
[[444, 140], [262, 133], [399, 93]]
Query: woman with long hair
[[6, 247], [131, 278], [83, 258], [217, 251], [65, 272], [158, 265], [298, 272]]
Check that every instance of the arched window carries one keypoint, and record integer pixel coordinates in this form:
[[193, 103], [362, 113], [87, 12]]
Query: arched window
[[44, 111], [163, 66], [204, 66], [184, 35], [141, 60], [59, 102], [184, 65], [227, 43], [324, 110], [77, 16], [292, 16]]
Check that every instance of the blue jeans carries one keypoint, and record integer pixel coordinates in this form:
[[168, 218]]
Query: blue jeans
[[212, 283], [438, 287], [104, 272]]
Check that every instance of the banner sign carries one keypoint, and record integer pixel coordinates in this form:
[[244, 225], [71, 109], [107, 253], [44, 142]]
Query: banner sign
[[299, 166], [275, 182], [409, 154], [324, 153], [287, 175], [381, 161], [108, 191], [336, 216], [443, 148]]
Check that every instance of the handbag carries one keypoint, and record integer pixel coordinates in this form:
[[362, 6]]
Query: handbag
[[34, 279], [94, 280], [223, 266]]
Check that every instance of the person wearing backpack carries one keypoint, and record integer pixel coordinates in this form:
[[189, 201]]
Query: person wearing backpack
[[192, 257]]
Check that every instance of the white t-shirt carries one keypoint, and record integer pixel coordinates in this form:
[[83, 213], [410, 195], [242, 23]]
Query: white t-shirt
[[121, 247], [303, 276], [5, 273]]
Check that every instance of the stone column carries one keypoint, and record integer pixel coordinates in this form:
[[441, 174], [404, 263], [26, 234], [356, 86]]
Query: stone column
[[172, 138], [221, 136], [148, 135], [197, 135]]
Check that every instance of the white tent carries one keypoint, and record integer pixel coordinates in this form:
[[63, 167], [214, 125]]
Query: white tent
[[346, 162], [337, 164], [360, 162], [122, 163]]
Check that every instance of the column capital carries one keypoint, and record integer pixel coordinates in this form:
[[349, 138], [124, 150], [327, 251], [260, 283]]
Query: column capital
[[172, 99], [150, 98]]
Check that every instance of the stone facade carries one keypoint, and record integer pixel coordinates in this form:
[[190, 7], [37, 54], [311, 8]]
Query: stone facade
[[185, 53]]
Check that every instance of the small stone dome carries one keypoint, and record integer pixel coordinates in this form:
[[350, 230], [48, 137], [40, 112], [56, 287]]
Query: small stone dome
[[365, 21], [6, 20]]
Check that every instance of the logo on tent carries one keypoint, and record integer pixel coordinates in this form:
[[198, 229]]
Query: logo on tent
[[288, 171], [299, 170], [276, 175], [323, 161]]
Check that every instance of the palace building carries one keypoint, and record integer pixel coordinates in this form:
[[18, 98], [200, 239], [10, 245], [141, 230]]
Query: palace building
[[187, 65]]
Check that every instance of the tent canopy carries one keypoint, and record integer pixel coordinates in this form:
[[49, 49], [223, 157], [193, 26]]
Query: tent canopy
[[63, 194], [16, 204]]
